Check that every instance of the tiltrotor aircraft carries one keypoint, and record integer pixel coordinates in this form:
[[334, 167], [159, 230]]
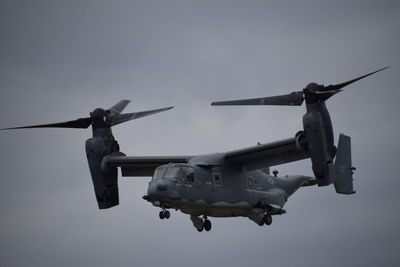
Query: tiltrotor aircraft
[[230, 184]]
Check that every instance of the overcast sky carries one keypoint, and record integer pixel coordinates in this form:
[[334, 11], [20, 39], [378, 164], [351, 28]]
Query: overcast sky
[[61, 59]]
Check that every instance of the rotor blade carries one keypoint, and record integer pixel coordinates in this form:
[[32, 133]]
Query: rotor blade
[[79, 123], [136, 115], [119, 107], [292, 99], [341, 85]]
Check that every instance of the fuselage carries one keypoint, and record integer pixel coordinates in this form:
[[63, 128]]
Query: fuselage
[[220, 191]]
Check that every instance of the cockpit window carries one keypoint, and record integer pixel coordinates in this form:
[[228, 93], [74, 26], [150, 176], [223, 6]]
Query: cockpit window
[[177, 172], [159, 173], [173, 173]]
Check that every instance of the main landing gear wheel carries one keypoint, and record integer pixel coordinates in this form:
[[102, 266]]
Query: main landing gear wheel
[[201, 223], [207, 225], [268, 219], [164, 214], [167, 215]]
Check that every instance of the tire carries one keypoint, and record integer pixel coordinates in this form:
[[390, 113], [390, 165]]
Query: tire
[[207, 225], [161, 215], [268, 219], [167, 215]]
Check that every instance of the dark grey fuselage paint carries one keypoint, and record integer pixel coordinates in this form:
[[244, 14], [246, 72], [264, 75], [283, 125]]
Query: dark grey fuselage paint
[[224, 191]]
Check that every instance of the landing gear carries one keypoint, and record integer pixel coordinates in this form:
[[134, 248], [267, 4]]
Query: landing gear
[[201, 224], [207, 225], [164, 214], [267, 219], [167, 215], [263, 216]]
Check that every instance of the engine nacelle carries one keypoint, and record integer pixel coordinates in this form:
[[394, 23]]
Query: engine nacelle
[[321, 159], [301, 142], [105, 178]]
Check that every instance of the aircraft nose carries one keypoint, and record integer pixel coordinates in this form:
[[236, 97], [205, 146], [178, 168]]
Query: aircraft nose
[[162, 190], [162, 187]]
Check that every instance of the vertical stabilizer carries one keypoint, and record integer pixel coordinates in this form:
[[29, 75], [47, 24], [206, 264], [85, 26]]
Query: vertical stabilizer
[[343, 167]]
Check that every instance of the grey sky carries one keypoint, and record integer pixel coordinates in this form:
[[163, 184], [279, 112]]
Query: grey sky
[[61, 59]]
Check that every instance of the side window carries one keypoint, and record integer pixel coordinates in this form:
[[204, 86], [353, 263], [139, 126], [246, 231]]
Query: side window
[[188, 174], [217, 178], [250, 182]]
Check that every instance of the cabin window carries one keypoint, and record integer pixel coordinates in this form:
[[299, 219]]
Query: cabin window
[[188, 174], [250, 182], [217, 178]]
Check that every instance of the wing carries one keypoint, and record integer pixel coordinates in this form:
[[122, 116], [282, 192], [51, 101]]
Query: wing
[[252, 158], [270, 154], [142, 166]]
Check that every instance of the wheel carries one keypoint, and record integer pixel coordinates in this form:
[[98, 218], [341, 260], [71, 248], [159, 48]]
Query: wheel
[[167, 215], [262, 222], [268, 219], [161, 215], [207, 225], [200, 229]]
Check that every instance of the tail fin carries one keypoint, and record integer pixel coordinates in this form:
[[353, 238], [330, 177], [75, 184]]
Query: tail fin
[[343, 167]]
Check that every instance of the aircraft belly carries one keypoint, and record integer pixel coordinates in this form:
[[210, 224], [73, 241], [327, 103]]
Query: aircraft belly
[[222, 202], [217, 209]]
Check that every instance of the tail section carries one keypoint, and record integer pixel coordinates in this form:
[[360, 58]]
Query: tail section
[[318, 131], [343, 167]]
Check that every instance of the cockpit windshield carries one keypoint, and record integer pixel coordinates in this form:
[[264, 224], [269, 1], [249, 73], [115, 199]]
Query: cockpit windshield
[[181, 172], [173, 173], [159, 173]]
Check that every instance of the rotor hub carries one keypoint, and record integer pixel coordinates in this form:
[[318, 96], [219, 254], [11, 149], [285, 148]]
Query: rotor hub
[[313, 87], [99, 118]]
